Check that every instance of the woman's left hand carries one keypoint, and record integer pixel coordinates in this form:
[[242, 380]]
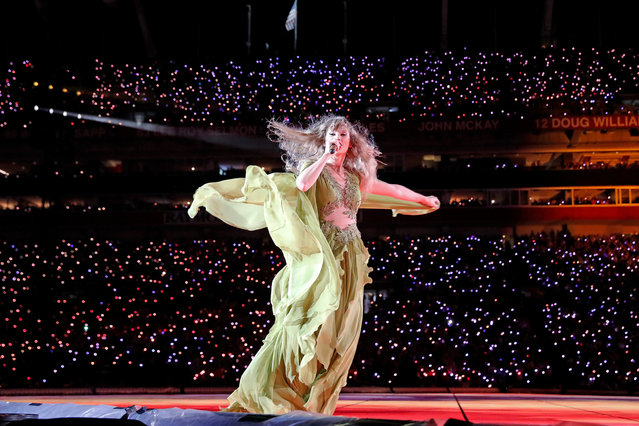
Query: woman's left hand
[[430, 201]]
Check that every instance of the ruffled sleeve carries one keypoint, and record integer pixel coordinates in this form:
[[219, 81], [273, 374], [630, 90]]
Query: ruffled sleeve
[[270, 201]]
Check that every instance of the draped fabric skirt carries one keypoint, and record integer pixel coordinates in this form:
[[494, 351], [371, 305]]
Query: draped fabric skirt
[[304, 363]]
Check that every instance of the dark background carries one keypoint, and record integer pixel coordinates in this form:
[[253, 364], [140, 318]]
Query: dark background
[[197, 30]]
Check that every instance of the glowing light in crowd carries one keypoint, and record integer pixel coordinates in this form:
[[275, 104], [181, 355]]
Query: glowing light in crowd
[[537, 310], [467, 84]]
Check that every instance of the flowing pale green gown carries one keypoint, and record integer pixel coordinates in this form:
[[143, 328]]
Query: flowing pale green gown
[[317, 298]]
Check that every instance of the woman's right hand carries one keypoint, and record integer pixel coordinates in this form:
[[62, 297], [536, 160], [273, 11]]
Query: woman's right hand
[[309, 175]]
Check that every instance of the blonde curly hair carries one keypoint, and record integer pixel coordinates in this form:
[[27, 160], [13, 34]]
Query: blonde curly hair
[[302, 145]]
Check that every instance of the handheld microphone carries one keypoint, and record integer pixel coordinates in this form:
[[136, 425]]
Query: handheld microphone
[[332, 148]]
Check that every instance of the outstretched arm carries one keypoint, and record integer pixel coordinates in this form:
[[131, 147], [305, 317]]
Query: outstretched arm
[[401, 192]]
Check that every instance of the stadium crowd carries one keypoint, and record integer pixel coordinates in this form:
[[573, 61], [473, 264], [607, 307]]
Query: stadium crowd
[[543, 311], [532, 311], [464, 84]]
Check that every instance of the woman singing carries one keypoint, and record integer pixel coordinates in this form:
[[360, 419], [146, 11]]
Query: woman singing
[[317, 298]]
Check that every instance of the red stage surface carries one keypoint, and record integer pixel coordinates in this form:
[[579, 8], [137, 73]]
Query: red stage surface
[[528, 409]]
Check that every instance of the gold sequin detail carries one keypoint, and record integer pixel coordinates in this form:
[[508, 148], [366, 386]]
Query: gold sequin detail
[[347, 196]]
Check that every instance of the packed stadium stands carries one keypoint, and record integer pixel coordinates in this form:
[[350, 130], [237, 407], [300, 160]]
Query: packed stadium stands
[[105, 282]]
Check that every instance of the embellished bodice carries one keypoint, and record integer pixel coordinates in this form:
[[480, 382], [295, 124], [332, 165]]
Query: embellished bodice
[[345, 198]]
